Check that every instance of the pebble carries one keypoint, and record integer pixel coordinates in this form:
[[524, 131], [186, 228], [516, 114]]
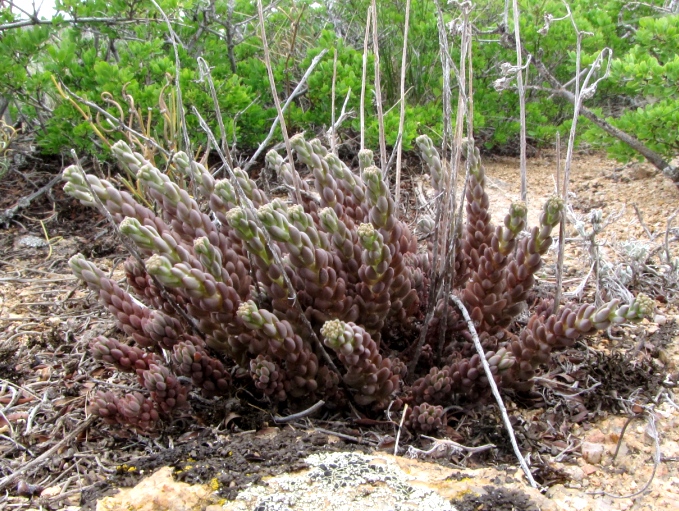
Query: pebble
[[592, 453], [31, 241]]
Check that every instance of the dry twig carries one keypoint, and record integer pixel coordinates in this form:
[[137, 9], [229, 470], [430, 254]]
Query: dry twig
[[494, 389], [47, 454], [300, 415]]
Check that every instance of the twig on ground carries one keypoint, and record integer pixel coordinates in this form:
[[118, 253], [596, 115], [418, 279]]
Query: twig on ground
[[643, 224], [494, 389], [17, 444], [653, 433], [400, 427], [553, 384], [24, 202], [668, 255], [300, 415], [343, 436], [447, 446], [47, 454]]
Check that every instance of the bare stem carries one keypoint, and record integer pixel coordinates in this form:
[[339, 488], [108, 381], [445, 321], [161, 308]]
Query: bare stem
[[274, 94], [522, 99], [494, 389], [562, 228], [401, 121], [378, 93], [332, 107], [364, 75], [296, 92]]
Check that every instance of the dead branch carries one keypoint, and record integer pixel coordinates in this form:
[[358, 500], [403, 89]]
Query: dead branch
[[34, 21], [296, 92], [300, 415], [494, 389], [653, 433], [24, 202], [656, 159]]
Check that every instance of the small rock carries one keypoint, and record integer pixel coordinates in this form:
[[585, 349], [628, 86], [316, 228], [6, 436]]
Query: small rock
[[567, 499], [592, 453], [159, 492], [31, 241], [660, 320], [574, 473], [52, 491]]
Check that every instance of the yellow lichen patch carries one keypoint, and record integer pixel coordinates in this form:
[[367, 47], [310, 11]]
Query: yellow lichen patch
[[214, 484]]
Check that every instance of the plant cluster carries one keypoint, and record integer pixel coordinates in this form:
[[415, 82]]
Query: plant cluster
[[321, 296]]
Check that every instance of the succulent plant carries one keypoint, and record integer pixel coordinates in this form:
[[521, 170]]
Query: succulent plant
[[426, 418], [322, 296]]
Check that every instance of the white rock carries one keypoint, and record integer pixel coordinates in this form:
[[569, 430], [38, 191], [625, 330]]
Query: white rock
[[592, 453]]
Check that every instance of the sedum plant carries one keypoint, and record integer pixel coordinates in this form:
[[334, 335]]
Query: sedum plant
[[321, 299]]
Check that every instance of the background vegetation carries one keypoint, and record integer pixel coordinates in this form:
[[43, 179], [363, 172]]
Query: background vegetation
[[122, 47]]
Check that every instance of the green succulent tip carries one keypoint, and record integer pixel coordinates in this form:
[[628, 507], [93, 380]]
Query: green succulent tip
[[297, 139], [645, 305], [553, 209], [157, 264], [201, 245], [121, 147], [246, 309], [181, 158], [372, 173], [129, 225], [366, 158], [76, 261], [235, 215], [273, 158], [249, 313], [333, 330], [423, 141], [518, 209], [366, 231]]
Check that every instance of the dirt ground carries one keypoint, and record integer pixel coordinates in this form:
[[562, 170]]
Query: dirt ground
[[570, 425]]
